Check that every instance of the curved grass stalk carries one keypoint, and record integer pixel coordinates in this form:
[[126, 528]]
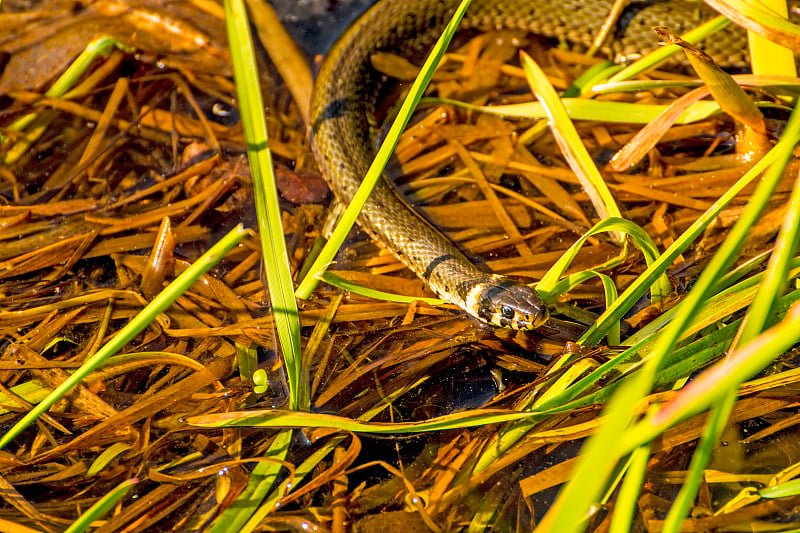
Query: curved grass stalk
[[547, 286]]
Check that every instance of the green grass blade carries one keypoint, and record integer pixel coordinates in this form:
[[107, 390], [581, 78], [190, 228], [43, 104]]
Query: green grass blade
[[103, 506], [304, 469], [502, 441], [710, 387], [712, 431], [386, 150], [782, 490], [595, 466], [159, 304], [625, 506], [262, 478], [596, 73], [101, 46], [701, 393], [713, 384], [31, 391], [680, 363], [726, 254], [609, 289], [273, 246], [762, 311]]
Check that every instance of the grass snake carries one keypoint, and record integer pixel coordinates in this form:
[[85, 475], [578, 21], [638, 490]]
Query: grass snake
[[343, 100]]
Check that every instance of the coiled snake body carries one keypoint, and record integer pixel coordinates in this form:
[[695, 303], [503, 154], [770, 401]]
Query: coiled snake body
[[341, 106]]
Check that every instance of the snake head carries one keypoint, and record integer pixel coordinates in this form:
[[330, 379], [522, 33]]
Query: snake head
[[508, 304]]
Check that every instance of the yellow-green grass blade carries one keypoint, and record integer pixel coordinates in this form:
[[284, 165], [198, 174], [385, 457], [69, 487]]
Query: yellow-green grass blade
[[724, 257], [716, 382], [304, 469], [766, 56], [159, 304], [782, 490], [712, 431], [762, 311], [31, 391], [569, 141], [273, 246], [759, 19], [34, 391], [729, 298], [596, 463], [108, 455], [761, 314], [502, 441], [682, 362], [704, 286], [375, 171], [705, 390], [311, 463], [597, 110], [274, 418], [341, 283], [625, 506], [777, 84], [594, 74]]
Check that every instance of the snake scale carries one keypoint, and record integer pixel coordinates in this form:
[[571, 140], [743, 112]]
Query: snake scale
[[343, 99]]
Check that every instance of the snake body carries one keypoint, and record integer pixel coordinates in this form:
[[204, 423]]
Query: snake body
[[342, 103]]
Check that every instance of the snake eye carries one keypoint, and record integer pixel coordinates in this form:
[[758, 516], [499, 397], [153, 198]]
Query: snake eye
[[507, 312]]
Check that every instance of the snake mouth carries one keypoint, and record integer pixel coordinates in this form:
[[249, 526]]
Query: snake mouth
[[540, 319], [523, 322]]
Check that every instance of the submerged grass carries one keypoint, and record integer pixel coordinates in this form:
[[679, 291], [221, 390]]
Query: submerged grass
[[215, 455]]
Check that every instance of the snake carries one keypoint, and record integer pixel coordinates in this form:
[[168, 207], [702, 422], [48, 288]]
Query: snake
[[343, 101]]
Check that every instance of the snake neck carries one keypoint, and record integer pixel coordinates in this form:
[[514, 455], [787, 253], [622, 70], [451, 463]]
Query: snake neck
[[343, 100]]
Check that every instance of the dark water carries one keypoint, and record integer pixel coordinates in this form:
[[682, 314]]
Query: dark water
[[315, 24]]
